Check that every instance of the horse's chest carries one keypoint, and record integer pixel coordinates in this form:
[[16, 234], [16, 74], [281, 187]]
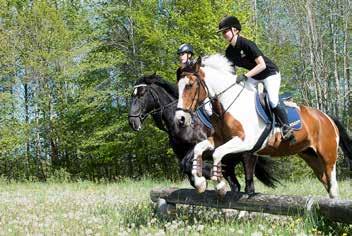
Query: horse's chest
[[227, 127]]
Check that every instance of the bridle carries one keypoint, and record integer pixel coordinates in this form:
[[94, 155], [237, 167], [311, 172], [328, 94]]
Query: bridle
[[153, 92], [200, 84]]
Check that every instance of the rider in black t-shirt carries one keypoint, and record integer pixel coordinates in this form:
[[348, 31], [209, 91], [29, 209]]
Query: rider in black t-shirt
[[245, 53]]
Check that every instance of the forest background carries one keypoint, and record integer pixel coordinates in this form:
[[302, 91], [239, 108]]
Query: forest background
[[67, 68]]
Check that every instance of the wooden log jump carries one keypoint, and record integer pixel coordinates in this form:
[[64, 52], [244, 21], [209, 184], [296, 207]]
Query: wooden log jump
[[336, 210]]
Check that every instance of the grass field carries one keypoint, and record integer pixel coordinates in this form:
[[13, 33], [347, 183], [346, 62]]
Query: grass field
[[124, 208]]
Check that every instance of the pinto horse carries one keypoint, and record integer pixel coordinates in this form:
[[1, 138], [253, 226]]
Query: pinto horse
[[154, 96], [238, 126]]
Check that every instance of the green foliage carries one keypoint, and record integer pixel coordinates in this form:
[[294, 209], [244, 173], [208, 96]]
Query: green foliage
[[59, 176]]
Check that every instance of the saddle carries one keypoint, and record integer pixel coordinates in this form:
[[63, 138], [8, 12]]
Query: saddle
[[264, 110]]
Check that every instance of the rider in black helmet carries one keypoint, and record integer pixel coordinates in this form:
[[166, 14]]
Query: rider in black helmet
[[185, 53], [245, 53]]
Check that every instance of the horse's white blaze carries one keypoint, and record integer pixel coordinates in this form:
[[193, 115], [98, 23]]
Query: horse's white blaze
[[181, 86]]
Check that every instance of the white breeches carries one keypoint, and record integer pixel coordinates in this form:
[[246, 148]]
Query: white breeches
[[272, 86]]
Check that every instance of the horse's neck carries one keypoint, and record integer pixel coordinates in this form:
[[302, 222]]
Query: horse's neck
[[226, 87], [179, 139], [165, 118]]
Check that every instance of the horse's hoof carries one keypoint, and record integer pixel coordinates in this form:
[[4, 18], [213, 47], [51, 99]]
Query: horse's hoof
[[201, 184], [249, 192], [221, 189], [214, 178]]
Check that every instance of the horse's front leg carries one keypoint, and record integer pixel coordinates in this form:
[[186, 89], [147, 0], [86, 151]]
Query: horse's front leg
[[235, 145], [199, 181]]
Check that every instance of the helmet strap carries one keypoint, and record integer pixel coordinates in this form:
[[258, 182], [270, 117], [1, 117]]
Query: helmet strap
[[233, 35]]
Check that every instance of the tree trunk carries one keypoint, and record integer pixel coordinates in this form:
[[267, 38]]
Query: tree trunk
[[26, 108]]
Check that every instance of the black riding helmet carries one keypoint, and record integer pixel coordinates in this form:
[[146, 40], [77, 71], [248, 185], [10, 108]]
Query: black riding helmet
[[229, 22], [185, 48]]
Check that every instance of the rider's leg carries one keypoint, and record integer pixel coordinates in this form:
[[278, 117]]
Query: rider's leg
[[287, 132], [272, 85]]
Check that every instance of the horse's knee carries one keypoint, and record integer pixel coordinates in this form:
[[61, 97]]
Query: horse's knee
[[200, 148], [217, 156]]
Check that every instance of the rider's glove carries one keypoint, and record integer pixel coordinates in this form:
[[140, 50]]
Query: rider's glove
[[241, 78]]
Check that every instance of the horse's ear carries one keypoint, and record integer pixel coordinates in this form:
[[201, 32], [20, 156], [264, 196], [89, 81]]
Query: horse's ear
[[199, 60], [198, 64]]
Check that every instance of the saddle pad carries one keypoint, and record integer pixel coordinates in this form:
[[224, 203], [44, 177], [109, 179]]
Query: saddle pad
[[204, 118], [292, 114]]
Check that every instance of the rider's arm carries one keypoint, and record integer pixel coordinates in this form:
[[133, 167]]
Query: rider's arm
[[258, 68]]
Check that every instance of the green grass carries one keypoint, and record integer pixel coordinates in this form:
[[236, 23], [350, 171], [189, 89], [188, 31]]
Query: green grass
[[124, 208]]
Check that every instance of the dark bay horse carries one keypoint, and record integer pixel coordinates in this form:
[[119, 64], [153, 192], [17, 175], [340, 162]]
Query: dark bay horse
[[154, 96], [238, 127]]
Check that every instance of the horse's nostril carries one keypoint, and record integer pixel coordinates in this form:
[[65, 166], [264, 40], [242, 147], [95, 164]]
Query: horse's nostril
[[181, 120]]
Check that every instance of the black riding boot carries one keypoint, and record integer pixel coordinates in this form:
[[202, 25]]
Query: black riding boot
[[287, 132]]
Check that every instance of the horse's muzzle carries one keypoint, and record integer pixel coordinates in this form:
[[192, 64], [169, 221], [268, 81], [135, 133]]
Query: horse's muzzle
[[182, 118], [135, 123]]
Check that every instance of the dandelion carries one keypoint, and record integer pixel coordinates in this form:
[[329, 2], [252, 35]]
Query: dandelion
[[240, 232], [257, 234], [160, 233], [261, 227], [200, 228]]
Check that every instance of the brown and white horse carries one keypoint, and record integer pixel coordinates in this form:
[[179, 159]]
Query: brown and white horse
[[238, 126]]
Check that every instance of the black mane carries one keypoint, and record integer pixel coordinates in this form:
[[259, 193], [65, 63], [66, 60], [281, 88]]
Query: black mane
[[158, 80]]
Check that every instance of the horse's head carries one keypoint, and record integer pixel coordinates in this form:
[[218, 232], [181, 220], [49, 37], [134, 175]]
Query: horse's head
[[142, 102], [192, 92]]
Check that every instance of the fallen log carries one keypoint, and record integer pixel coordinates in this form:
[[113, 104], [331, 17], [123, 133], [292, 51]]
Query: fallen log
[[335, 210]]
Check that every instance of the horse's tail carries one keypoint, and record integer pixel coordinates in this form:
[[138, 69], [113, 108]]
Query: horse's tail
[[345, 141], [263, 171]]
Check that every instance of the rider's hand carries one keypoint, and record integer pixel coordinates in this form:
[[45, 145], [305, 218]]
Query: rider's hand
[[241, 78]]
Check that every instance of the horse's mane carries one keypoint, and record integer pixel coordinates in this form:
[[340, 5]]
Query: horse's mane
[[158, 80], [220, 63]]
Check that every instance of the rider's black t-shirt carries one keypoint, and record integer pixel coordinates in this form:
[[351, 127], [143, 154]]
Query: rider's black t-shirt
[[178, 73], [186, 67], [244, 53]]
